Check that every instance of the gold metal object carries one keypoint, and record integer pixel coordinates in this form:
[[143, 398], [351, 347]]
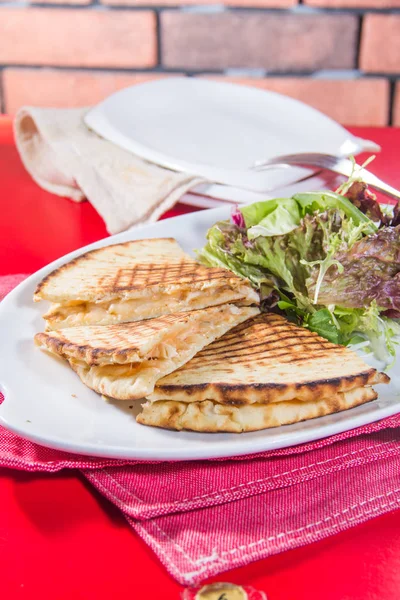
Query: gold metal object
[[221, 591]]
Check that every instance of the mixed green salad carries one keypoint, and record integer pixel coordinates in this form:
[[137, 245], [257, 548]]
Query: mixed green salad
[[329, 260]]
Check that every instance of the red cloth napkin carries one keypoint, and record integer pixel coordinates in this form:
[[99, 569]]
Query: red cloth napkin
[[202, 518]]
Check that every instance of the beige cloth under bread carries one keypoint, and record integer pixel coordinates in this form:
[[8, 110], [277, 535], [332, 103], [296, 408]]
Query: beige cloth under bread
[[64, 157]]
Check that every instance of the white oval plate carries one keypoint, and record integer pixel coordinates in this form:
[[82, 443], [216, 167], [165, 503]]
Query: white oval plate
[[47, 403], [219, 130]]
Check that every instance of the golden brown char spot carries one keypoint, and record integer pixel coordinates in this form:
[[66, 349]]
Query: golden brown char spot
[[265, 392]]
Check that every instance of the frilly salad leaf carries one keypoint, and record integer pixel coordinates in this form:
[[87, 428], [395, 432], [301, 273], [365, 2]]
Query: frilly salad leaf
[[382, 334], [322, 260], [320, 201], [368, 271], [282, 215], [225, 249], [356, 190], [277, 217]]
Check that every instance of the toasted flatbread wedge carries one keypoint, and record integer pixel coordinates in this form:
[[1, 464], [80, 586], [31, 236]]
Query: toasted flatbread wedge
[[211, 417], [264, 373], [267, 359], [125, 361], [133, 281]]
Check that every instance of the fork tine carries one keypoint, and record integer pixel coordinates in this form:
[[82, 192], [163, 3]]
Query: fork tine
[[337, 164]]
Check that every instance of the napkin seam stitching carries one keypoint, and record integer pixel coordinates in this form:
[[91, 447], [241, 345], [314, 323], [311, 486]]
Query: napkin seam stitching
[[290, 533], [276, 476], [15, 461], [178, 546], [124, 489], [214, 559], [7, 456], [151, 540], [262, 479], [316, 523]]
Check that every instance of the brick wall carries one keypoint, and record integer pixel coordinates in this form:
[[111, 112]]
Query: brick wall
[[341, 56]]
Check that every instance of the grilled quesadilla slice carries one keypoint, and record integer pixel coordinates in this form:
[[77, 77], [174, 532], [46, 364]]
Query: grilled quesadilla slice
[[265, 372], [133, 281], [267, 359], [211, 417], [125, 361]]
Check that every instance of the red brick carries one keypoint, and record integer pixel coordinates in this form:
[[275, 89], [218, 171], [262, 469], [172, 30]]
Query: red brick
[[354, 3], [380, 44], [396, 107], [351, 102], [249, 3], [63, 89], [41, 36], [57, 1], [277, 42]]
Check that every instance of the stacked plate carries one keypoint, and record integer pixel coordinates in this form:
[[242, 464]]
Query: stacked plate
[[218, 131]]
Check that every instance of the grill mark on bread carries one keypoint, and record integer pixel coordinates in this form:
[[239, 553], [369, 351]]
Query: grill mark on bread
[[175, 267], [123, 343], [253, 343], [117, 278], [269, 322], [135, 265], [133, 273], [283, 355], [240, 351], [227, 390], [91, 254], [267, 359], [278, 332]]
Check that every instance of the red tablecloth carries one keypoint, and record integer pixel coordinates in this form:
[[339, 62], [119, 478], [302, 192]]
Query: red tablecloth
[[61, 540]]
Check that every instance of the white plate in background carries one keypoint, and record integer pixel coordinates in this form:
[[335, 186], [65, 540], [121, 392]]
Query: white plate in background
[[214, 195], [46, 402], [218, 130]]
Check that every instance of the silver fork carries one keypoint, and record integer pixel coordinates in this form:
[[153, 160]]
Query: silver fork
[[336, 164]]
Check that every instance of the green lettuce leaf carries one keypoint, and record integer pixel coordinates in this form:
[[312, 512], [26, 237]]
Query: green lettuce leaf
[[222, 238], [318, 259], [284, 217], [254, 213], [320, 201], [381, 333], [323, 323]]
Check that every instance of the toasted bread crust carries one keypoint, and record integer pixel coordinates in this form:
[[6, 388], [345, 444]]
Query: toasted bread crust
[[40, 292], [136, 379], [210, 417], [267, 359], [135, 269], [128, 342]]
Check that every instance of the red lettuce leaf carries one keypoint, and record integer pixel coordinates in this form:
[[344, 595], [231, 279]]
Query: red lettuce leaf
[[366, 201], [371, 271]]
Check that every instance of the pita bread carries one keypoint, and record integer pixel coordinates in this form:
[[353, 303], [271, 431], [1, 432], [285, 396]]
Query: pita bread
[[209, 416], [267, 359], [125, 361], [133, 281]]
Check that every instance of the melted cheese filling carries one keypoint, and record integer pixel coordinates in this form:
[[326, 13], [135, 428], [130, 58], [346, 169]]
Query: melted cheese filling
[[76, 313], [136, 380], [130, 382]]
